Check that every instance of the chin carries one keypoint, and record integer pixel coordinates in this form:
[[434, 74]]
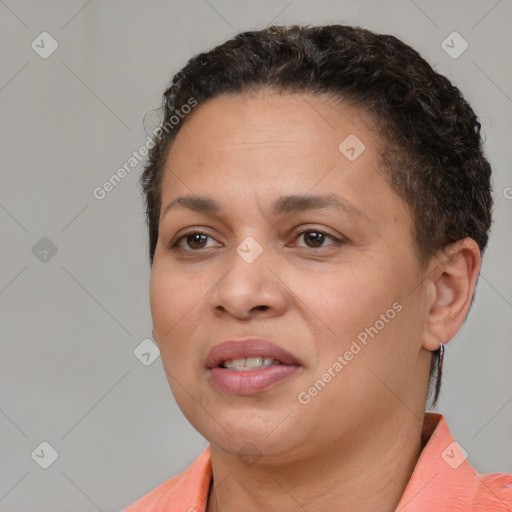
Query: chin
[[266, 433]]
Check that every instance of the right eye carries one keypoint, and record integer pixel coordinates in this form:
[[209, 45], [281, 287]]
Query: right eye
[[194, 239]]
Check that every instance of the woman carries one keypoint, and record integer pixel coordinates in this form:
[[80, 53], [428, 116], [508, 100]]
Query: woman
[[318, 203]]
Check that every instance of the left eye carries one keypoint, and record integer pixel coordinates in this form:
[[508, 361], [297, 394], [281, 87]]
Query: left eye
[[314, 238]]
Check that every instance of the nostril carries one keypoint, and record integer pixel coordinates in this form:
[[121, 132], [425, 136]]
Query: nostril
[[261, 308]]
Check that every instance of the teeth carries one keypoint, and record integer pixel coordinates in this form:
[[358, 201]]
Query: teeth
[[253, 362], [268, 362], [234, 363], [249, 363]]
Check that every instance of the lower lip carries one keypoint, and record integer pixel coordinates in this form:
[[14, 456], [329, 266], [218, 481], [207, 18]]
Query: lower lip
[[249, 382]]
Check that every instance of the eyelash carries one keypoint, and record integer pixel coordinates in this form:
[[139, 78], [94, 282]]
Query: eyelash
[[175, 243]]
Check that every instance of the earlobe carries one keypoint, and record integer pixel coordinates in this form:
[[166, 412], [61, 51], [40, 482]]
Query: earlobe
[[453, 288]]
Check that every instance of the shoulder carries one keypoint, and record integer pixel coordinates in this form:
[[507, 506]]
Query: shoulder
[[154, 499], [443, 478], [186, 491], [493, 493]]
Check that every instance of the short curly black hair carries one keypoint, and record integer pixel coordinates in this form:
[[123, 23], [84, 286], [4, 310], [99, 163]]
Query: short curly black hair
[[433, 147]]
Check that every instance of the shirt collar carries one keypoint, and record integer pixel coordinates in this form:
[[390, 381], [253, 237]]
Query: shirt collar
[[442, 478]]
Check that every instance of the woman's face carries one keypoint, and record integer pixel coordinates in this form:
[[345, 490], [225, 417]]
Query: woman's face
[[336, 284]]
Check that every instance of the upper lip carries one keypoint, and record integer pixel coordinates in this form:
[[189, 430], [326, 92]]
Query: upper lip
[[239, 348]]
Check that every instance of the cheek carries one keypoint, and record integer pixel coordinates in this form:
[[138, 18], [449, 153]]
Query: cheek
[[351, 298], [174, 308], [176, 313], [365, 303]]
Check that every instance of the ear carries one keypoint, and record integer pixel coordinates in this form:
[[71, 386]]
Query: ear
[[452, 283]]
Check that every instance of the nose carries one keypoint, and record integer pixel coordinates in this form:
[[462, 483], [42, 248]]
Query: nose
[[249, 290]]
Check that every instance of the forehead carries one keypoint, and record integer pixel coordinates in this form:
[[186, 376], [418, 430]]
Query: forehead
[[255, 146], [267, 116], [250, 130]]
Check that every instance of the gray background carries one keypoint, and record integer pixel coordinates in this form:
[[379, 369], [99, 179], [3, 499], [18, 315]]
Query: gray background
[[71, 321]]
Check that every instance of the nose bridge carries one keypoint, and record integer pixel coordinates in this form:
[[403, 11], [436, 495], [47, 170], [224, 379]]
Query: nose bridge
[[248, 264], [249, 284], [251, 249]]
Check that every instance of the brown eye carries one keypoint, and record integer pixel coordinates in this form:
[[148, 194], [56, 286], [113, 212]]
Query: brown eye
[[194, 241], [314, 238]]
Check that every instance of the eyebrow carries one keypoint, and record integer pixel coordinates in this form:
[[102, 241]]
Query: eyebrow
[[285, 205]]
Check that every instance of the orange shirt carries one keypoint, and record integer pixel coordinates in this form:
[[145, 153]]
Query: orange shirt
[[441, 481]]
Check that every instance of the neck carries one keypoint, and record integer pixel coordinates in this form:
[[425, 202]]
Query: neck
[[370, 472]]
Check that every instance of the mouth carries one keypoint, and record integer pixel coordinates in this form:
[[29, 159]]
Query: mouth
[[249, 366]]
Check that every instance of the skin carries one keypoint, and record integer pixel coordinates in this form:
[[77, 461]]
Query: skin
[[356, 443]]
